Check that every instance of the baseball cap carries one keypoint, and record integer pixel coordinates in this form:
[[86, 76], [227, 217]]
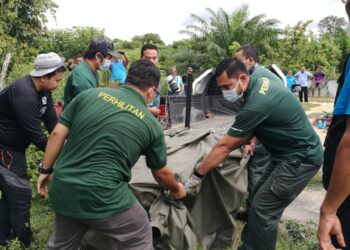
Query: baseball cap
[[104, 46], [46, 63]]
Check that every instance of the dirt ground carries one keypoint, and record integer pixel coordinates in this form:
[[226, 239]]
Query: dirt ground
[[324, 106]]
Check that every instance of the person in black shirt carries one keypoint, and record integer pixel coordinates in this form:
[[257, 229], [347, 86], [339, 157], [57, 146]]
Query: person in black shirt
[[24, 104], [187, 78]]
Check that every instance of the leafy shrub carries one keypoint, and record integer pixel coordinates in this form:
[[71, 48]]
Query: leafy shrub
[[18, 71]]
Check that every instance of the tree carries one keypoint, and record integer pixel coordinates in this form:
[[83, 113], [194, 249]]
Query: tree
[[148, 38], [334, 29], [224, 28], [331, 24], [217, 35], [70, 42], [22, 25], [298, 47]]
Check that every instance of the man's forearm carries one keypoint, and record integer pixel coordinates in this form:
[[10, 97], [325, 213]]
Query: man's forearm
[[55, 144], [165, 178]]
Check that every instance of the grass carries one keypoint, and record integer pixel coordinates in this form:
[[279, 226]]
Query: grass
[[41, 224], [292, 235], [316, 181]]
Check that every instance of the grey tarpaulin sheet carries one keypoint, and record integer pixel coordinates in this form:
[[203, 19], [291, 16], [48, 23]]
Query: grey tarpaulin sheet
[[205, 217]]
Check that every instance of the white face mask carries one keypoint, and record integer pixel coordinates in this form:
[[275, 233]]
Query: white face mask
[[231, 95], [106, 65]]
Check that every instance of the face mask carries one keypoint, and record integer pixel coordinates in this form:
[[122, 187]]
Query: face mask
[[106, 65], [231, 95], [150, 103]]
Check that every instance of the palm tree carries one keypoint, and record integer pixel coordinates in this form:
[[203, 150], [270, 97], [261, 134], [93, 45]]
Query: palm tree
[[224, 29]]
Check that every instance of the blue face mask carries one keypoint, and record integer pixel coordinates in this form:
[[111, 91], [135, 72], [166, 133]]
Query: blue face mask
[[231, 95], [106, 65]]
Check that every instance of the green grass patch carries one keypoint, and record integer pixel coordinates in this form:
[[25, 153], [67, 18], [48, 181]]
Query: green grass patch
[[297, 236], [292, 235], [316, 181], [41, 223]]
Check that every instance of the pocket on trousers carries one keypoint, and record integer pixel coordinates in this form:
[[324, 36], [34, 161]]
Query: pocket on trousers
[[287, 182]]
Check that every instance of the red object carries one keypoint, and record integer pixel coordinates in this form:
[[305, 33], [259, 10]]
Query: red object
[[58, 109], [162, 108]]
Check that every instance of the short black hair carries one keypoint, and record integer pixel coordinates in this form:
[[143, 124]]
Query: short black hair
[[147, 46], [249, 51], [79, 55], [232, 66], [59, 70], [143, 74], [90, 54]]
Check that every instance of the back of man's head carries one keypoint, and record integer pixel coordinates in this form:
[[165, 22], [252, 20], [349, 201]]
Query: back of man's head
[[143, 74], [249, 50], [232, 66]]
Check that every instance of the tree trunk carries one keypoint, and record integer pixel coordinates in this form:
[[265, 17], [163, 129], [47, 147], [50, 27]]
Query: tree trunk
[[4, 69]]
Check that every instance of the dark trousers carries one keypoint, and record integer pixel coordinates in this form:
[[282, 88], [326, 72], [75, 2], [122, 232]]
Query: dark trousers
[[15, 204], [304, 90], [279, 185], [129, 229], [257, 164]]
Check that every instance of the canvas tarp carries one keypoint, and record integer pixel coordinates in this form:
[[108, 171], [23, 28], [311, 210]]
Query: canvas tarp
[[206, 216]]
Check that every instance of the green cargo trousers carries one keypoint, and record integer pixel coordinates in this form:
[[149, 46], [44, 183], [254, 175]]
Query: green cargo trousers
[[279, 185], [257, 164]]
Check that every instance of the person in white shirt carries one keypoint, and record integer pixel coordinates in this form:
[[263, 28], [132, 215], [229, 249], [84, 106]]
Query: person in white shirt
[[302, 77]]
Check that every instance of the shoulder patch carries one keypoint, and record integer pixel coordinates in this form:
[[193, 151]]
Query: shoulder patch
[[265, 86]]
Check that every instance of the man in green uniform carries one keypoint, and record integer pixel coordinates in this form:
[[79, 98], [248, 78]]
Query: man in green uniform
[[102, 134], [273, 115], [84, 76], [259, 157]]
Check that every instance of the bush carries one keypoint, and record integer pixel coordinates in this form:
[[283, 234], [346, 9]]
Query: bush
[[18, 71]]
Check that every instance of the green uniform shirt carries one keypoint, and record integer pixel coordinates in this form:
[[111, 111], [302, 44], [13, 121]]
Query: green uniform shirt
[[273, 114], [81, 78], [109, 130]]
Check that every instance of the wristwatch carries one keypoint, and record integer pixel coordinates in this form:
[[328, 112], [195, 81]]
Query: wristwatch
[[196, 173], [43, 170]]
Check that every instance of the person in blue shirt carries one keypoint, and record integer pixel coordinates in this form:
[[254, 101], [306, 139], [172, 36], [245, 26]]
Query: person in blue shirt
[[334, 226], [335, 210], [290, 79], [118, 68]]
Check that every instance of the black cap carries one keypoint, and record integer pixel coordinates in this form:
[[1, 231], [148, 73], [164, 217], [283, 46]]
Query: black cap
[[104, 46]]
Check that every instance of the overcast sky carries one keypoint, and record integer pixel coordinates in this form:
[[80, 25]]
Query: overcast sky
[[127, 18]]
